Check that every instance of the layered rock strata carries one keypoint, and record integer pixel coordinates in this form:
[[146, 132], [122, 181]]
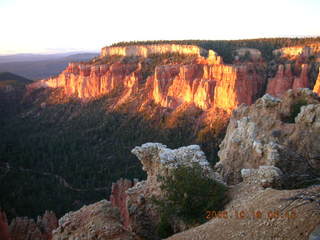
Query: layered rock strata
[[147, 50], [205, 83], [285, 80], [271, 132], [296, 52]]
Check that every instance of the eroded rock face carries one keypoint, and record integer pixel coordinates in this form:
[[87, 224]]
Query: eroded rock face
[[158, 159], [297, 52], [96, 221], [136, 207], [146, 50], [22, 228], [205, 83], [266, 133], [285, 80], [264, 176], [85, 81], [316, 88], [118, 198]]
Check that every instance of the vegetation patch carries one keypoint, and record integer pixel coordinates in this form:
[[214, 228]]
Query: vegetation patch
[[295, 110], [188, 194]]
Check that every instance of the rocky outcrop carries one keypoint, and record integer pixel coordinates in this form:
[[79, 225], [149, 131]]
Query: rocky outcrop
[[96, 221], [22, 228], [136, 207], [85, 81], [206, 86], [316, 88], [119, 197], [131, 213], [296, 52], [147, 50], [205, 83], [264, 176], [285, 80], [4, 229], [272, 133]]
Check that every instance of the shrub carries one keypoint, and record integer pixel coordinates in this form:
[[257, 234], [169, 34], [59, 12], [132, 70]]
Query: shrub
[[188, 194], [295, 110], [164, 228]]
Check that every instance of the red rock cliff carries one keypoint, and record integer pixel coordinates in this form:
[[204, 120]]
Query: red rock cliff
[[316, 88], [146, 50], [206, 83], [118, 198], [285, 80]]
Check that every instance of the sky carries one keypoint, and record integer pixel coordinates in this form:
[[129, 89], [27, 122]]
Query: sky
[[52, 26]]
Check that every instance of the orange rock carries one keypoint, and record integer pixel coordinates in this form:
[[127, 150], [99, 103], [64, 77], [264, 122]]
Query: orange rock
[[281, 82], [206, 83], [316, 88], [285, 80], [146, 50]]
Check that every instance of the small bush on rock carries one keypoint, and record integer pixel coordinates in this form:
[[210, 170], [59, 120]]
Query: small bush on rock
[[188, 194]]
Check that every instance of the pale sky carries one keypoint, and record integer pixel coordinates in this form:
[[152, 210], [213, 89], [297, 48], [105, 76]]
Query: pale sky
[[43, 26]]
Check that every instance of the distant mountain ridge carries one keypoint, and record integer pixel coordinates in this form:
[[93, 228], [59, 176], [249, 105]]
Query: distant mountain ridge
[[37, 66], [7, 78], [32, 57]]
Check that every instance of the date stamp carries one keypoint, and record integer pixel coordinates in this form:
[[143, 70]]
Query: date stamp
[[254, 214]]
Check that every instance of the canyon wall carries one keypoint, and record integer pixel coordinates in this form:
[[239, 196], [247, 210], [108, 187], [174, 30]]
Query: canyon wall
[[206, 82], [146, 50], [295, 52], [285, 80], [316, 88], [269, 132]]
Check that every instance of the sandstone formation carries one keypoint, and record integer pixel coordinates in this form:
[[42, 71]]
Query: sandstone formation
[[96, 221], [22, 228], [271, 132], [119, 197], [156, 160], [298, 51], [206, 82], [137, 210], [285, 80], [4, 229], [146, 50], [206, 86], [316, 88]]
